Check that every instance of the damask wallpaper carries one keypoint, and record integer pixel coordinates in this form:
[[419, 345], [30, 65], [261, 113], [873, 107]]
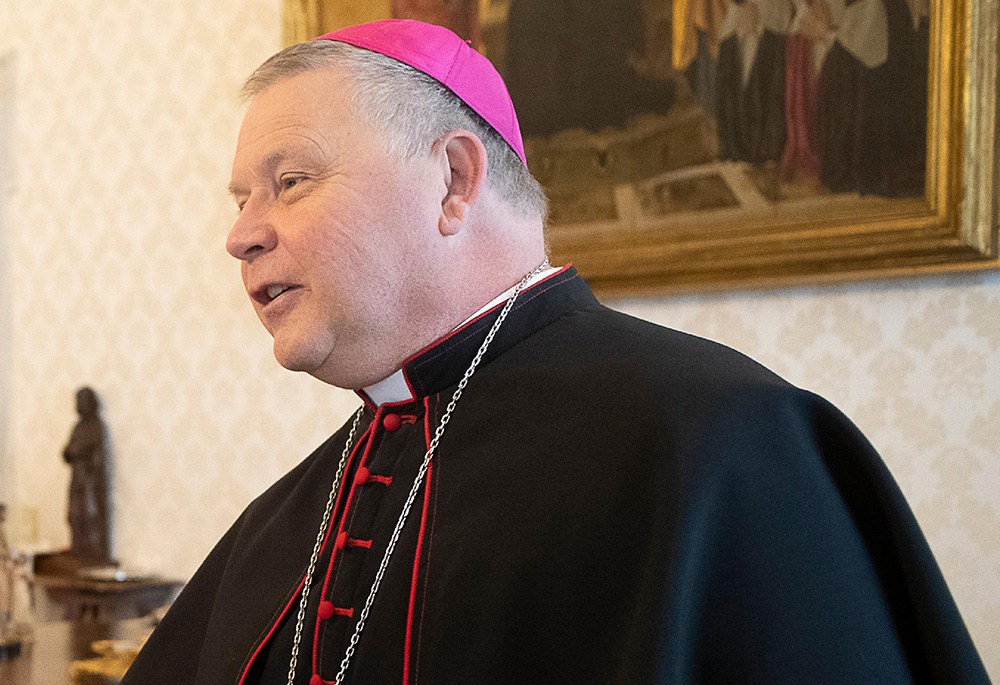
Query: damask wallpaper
[[126, 117]]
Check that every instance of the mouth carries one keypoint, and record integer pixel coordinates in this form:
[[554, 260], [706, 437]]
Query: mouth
[[269, 292]]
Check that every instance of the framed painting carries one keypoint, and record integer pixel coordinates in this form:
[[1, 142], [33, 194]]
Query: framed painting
[[697, 144]]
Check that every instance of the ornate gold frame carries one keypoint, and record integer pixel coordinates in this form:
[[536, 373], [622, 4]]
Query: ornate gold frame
[[954, 227]]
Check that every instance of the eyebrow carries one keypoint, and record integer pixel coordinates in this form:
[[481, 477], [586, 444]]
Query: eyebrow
[[271, 161]]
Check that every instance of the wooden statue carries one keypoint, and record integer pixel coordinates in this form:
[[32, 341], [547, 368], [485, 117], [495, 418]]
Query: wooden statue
[[88, 489]]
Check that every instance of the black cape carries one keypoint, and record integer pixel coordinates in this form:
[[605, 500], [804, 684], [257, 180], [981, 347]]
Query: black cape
[[612, 502]]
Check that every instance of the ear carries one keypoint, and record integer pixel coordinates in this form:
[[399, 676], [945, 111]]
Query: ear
[[464, 159]]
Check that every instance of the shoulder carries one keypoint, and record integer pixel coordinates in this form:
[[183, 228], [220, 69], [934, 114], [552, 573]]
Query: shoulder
[[654, 388], [614, 350]]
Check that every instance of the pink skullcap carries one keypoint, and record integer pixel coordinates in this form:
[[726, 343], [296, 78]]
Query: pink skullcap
[[444, 56]]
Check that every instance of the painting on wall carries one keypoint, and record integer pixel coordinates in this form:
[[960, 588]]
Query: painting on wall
[[700, 143]]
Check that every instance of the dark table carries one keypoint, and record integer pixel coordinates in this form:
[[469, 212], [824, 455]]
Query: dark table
[[73, 597], [55, 645]]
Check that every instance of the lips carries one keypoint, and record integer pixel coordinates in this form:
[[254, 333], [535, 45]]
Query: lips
[[269, 292]]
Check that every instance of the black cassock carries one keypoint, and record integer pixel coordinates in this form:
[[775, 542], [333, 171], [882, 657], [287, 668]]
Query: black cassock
[[612, 502]]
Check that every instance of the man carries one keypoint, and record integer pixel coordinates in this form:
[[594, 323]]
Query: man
[[537, 489]]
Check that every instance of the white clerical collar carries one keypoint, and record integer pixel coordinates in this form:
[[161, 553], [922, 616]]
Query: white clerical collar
[[396, 389]]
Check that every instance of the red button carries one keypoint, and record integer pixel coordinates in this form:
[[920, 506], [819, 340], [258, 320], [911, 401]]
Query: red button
[[361, 477], [392, 422], [325, 609], [315, 680], [342, 540]]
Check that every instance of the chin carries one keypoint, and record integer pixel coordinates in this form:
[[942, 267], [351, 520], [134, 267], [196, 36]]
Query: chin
[[339, 366], [300, 357], [293, 364]]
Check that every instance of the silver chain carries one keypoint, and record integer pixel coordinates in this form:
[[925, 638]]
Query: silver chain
[[300, 620], [417, 482]]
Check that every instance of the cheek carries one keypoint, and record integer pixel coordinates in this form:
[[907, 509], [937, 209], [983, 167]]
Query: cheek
[[403, 219], [367, 238], [356, 233], [331, 252]]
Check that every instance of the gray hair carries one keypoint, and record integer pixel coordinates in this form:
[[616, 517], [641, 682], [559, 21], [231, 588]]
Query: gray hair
[[411, 108]]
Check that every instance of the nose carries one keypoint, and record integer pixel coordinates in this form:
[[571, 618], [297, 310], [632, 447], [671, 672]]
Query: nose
[[252, 235]]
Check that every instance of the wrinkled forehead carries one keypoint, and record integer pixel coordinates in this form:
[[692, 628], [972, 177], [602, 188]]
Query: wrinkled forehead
[[309, 114], [311, 96]]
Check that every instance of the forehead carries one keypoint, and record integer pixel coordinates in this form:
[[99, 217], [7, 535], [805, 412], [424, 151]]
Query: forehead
[[306, 114], [309, 94]]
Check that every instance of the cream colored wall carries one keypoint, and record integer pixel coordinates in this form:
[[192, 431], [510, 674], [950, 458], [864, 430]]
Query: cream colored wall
[[127, 114], [6, 188], [126, 123]]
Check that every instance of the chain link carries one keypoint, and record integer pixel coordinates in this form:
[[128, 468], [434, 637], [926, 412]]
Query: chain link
[[300, 620], [417, 482]]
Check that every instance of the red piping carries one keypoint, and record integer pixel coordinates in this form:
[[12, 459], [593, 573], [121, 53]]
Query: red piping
[[472, 321], [291, 601], [416, 556], [343, 519], [461, 328], [270, 633], [385, 405]]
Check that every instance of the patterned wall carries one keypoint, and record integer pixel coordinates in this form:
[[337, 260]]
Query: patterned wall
[[126, 121], [7, 87], [127, 115]]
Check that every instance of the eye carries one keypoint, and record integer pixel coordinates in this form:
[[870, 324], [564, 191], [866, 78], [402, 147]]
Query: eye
[[289, 182]]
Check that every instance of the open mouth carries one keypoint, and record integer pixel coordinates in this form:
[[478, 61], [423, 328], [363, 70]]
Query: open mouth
[[267, 294]]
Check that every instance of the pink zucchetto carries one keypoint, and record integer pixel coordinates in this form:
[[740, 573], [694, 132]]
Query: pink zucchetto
[[442, 55]]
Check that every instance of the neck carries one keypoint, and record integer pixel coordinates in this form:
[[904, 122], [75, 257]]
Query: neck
[[436, 292], [488, 258], [394, 388]]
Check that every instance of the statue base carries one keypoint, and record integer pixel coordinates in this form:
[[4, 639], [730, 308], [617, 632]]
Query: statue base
[[64, 563]]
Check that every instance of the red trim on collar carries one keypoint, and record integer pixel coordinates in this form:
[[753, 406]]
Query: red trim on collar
[[386, 405], [406, 377], [360, 392], [468, 323]]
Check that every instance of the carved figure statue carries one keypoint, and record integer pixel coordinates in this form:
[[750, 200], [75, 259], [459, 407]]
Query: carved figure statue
[[88, 490]]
